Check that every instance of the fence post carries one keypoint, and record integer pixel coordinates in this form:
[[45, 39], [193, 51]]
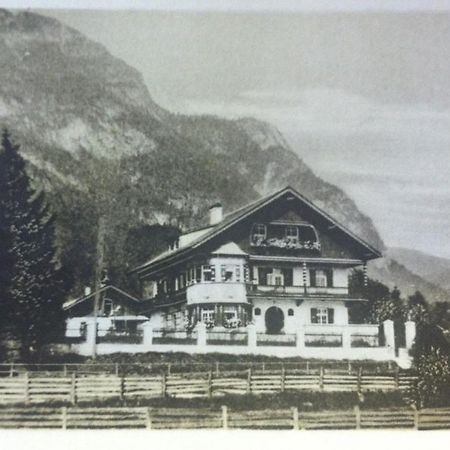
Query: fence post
[[27, 388], [148, 419], [295, 418], [249, 380], [224, 417], [163, 384], [357, 417], [416, 416], [122, 388], [64, 417], [209, 385], [263, 367], [65, 370], [169, 368], [307, 367], [359, 380], [321, 378], [217, 369], [11, 370], [283, 378], [117, 369], [349, 368], [73, 389], [397, 377]]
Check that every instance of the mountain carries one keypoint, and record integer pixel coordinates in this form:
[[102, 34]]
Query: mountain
[[432, 268], [87, 123]]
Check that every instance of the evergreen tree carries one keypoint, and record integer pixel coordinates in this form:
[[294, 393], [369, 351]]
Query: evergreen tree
[[417, 308], [35, 290], [5, 251]]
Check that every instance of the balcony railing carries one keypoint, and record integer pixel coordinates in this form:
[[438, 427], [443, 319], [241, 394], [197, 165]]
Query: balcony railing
[[258, 289]]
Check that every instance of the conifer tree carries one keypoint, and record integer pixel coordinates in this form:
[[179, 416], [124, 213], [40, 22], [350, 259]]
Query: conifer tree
[[35, 290]]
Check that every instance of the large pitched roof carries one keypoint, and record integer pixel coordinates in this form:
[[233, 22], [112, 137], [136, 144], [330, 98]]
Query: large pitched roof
[[197, 238]]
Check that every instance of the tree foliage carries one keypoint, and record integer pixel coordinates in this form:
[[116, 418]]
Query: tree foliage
[[35, 290], [433, 385]]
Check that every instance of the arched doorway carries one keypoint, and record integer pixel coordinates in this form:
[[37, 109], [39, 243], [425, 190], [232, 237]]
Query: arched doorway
[[274, 320]]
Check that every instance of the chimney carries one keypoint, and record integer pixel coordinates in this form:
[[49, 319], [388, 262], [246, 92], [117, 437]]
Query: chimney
[[215, 214], [87, 290]]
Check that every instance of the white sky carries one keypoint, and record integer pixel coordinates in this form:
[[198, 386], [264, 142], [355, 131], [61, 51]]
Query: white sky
[[363, 98]]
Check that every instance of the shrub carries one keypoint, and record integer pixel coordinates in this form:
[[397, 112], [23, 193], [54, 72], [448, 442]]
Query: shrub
[[433, 384]]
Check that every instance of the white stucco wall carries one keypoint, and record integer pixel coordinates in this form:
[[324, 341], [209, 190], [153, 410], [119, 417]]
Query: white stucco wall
[[302, 313]]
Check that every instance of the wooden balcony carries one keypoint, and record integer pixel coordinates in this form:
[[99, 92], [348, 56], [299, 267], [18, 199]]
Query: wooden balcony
[[295, 291]]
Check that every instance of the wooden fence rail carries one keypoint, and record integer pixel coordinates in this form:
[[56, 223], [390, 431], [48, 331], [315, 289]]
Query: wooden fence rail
[[309, 367], [179, 418], [74, 389]]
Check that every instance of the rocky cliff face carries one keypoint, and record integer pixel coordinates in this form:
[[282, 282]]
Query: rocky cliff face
[[74, 108]]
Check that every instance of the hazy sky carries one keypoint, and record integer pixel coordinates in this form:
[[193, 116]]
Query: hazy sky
[[364, 99]]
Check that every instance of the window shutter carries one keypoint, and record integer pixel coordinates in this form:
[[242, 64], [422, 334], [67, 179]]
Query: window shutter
[[314, 315], [330, 315], [287, 275], [312, 277], [262, 276], [213, 273], [329, 277]]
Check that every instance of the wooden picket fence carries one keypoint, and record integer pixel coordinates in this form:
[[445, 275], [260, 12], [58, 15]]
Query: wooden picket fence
[[74, 389], [185, 418]]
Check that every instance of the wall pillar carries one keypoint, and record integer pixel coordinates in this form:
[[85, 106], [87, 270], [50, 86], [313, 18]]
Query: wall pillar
[[300, 338], [252, 338], [201, 334], [91, 336], [346, 338], [147, 333], [388, 327], [410, 333]]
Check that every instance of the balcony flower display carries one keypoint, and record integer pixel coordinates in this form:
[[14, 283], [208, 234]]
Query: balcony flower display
[[189, 323], [286, 242], [232, 323]]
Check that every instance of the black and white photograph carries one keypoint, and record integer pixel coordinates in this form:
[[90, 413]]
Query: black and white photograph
[[224, 215]]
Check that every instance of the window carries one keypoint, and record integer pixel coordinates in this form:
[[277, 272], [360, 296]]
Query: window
[[321, 278], [259, 233], [290, 312], [322, 315], [198, 274], [208, 315], [292, 232], [259, 230], [107, 307], [257, 311], [227, 272], [230, 313], [276, 278], [207, 273]]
